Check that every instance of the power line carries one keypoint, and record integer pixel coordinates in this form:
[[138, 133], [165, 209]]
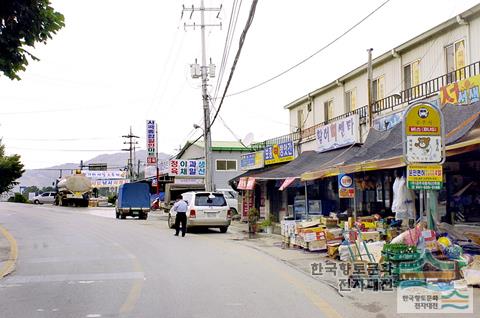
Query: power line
[[237, 56], [311, 55], [60, 139], [228, 43], [66, 150]]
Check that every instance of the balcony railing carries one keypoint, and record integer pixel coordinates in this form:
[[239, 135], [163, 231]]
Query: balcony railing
[[391, 102]]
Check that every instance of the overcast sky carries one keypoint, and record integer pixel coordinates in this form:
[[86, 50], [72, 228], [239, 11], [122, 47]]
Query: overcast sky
[[118, 63]]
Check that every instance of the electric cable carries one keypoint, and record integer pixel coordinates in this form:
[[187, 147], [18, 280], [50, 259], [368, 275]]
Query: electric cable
[[312, 55]]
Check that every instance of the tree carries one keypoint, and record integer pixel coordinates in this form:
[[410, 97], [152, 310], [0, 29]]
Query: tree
[[10, 170], [22, 24]]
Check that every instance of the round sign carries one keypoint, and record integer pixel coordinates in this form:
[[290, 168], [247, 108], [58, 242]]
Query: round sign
[[346, 181]]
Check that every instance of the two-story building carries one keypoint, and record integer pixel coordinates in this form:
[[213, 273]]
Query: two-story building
[[442, 61]]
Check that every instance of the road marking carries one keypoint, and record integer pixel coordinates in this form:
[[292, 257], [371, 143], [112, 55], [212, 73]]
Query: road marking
[[74, 277], [135, 291], [9, 265], [75, 259], [93, 315]]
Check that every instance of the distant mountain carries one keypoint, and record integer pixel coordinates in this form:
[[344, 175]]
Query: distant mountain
[[46, 176]]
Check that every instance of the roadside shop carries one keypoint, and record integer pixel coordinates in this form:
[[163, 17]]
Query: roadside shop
[[382, 217]]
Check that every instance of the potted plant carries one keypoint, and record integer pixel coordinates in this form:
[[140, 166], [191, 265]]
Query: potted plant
[[253, 216], [267, 225]]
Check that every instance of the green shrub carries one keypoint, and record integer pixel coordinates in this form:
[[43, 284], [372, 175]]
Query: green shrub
[[18, 198]]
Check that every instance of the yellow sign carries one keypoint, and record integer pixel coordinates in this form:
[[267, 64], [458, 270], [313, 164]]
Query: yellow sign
[[423, 120], [277, 153], [462, 92], [423, 134], [424, 177]]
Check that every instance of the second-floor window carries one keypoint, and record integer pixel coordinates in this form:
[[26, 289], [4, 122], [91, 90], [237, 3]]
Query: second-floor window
[[411, 78], [378, 86], [328, 109], [455, 59], [300, 119], [350, 100], [226, 165]]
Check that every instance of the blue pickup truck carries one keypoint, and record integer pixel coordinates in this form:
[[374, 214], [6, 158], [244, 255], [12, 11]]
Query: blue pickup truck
[[133, 200]]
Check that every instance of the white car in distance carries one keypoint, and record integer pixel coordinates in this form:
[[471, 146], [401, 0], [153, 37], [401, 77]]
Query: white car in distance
[[46, 197]]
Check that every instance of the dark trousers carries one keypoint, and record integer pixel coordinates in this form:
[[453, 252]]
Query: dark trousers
[[181, 217]]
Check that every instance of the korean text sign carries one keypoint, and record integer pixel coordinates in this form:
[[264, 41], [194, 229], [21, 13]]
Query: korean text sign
[[151, 143], [424, 177], [277, 153], [253, 160], [338, 134], [180, 167], [462, 92], [423, 134], [346, 188]]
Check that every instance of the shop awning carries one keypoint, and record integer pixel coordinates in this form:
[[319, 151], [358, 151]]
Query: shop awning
[[306, 161], [384, 150]]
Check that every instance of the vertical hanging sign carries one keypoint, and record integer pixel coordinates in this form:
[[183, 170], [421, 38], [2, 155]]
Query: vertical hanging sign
[[151, 143]]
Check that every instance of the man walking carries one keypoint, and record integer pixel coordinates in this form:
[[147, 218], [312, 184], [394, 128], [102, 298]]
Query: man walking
[[180, 207]]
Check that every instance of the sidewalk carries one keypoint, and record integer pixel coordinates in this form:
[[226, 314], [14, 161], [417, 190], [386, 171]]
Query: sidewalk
[[272, 245]]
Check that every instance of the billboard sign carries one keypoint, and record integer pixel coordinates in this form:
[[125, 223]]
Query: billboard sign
[[253, 160], [277, 153], [98, 175], [462, 92], [341, 133], [190, 168]]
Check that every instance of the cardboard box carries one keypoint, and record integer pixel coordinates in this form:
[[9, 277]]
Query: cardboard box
[[317, 245]]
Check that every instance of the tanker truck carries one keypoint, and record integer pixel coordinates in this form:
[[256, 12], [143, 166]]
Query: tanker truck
[[73, 190]]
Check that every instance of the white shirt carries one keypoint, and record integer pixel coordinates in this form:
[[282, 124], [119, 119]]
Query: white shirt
[[180, 206]]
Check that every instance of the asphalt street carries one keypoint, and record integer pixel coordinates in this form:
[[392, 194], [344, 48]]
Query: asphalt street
[[75, 262]]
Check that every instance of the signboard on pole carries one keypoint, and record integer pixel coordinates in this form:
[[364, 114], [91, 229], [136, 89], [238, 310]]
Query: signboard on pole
[[341, 133], [346, 189], [151, 143], [277, 153], [424, 177], [423, 134], [181, 167]]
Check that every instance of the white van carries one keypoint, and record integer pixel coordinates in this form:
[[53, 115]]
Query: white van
[[232, 198], [205, 209]]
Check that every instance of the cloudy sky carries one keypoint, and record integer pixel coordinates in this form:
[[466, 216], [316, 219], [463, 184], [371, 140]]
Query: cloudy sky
[[118, 63]]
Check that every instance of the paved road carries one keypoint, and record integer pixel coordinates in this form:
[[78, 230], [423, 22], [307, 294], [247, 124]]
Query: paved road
[[75, 264]]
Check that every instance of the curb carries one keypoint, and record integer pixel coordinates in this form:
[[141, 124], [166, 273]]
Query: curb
[[9, 265]]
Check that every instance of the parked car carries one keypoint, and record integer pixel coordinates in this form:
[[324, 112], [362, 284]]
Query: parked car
[[232, 198], [133, 200], [205, 209], [46, 197]]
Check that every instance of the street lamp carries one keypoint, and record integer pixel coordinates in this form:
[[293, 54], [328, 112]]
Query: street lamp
[[208, 170]]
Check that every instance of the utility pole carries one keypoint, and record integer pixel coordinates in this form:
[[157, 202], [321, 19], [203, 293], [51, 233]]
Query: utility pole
[[205, 71], [370, 88], [131, 142]]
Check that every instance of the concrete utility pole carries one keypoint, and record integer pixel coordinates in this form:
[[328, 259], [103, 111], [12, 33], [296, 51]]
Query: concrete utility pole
[[205, 71], [131, 142], [370, 88]]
